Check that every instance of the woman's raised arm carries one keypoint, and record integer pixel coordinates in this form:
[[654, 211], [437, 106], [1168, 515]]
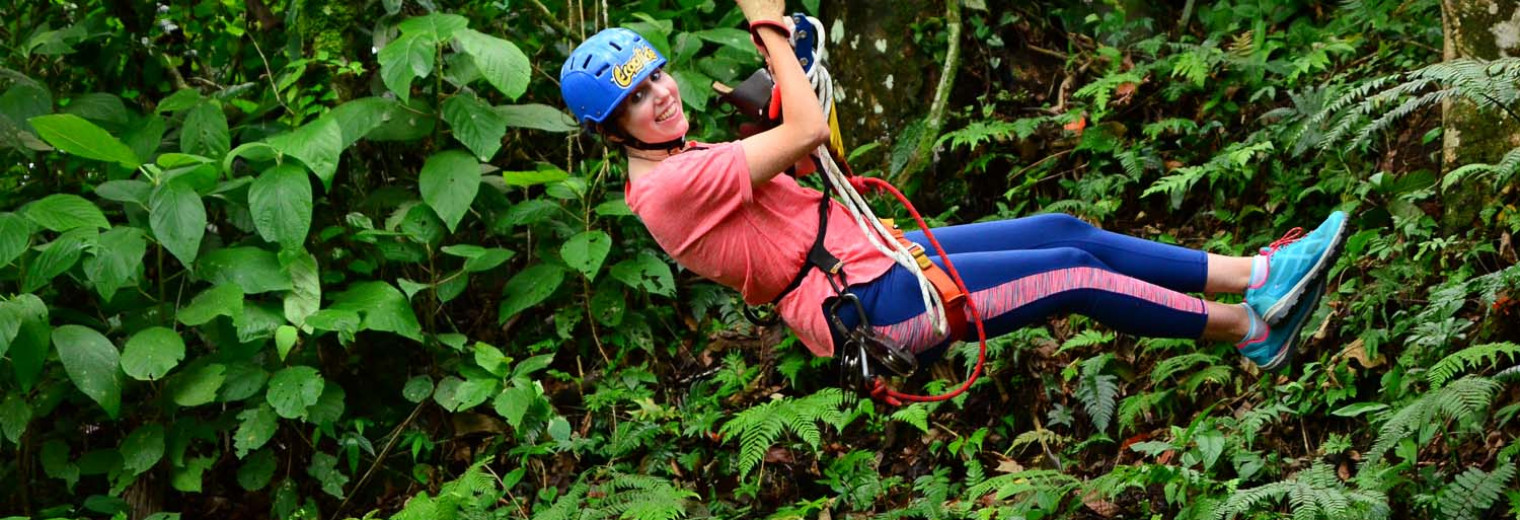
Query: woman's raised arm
[[803, 126]]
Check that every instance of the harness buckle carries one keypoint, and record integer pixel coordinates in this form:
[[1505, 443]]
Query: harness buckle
[[865, 353]]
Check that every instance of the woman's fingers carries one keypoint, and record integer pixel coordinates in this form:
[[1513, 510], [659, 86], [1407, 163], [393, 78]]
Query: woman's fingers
[[762, 9]]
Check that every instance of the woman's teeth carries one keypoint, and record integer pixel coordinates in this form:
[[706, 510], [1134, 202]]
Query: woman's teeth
[[667, 114]]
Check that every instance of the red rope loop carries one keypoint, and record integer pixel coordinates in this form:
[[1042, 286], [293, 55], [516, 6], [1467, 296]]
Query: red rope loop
[[881, 391]]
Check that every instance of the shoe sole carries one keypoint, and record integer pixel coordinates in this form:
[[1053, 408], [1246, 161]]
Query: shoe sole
[[1279, 310], [1285, 356]]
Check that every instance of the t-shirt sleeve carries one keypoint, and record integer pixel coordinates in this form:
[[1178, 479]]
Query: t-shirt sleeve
[[713, 174]]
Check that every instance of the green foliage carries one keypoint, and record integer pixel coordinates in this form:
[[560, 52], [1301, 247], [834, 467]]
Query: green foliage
[[183, 307], [1474, 491], [761, 426], [1472, 357], [1313, 493]]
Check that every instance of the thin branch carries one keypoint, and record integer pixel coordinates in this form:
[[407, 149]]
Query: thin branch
[[270, 75], [384, 452], [549, 16], [936, 119]]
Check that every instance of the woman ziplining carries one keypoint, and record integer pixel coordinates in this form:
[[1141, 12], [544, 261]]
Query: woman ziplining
[[726, 212]]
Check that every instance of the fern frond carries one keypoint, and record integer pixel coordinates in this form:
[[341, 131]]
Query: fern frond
[[1312, 494], [1485, 355], [1172, 365], [1143, 405], [1463, 399], [567, 506], [1474, 491], [1022, 482], [760, 426], [1098, 392]]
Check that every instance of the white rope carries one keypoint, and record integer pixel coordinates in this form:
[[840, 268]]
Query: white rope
[[876, 232]]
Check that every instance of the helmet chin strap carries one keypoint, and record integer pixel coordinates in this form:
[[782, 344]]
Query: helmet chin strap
[[673, 144]]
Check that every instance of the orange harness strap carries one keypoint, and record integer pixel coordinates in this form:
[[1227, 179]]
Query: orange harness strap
[[954, 299]]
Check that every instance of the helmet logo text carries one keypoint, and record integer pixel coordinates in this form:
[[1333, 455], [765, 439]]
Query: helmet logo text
[[642, 56]]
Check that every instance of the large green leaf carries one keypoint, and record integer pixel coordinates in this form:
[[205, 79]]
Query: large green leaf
[[317, 144], [545, 173], [528, 288], [513, 403], [29, 349], [256, 425], [145, 136], [475, 124], [403, 59], [15, 415], [586, 251], [449, 182], [190, 477], [15, 235], [116, 259], [205, 131], [324, 468], [357, 118], [647, 272], [479, 258], [417, 388], [293, 389], [178, 219], [62, 212], [134, 191], [329, 407], [436, 27], [142, 449], [539, 117], [254, 270], [56, 464], [152, 352], [221, 300], [305, 296], [198, 385], [474, 391], [500, 61], [74, 135], [59, 256], [280, 201], [24, 101], [179, 100], [101, 107], [243, 381], [93, 364], [409, 121], [382, 307]]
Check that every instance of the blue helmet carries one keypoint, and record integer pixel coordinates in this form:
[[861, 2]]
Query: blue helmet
[[603, 70]]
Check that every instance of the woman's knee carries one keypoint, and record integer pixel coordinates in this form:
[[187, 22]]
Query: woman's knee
[[1061, 224], [1070, 257]]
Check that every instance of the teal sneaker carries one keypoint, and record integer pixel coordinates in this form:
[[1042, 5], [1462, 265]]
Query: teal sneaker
[[1275, 349], [1293, 263]]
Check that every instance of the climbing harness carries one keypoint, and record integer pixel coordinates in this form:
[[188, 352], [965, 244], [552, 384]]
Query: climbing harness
[[863, 351]]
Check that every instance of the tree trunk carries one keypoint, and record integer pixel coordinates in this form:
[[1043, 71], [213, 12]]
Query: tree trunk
[[883, 79], [1484, 30]]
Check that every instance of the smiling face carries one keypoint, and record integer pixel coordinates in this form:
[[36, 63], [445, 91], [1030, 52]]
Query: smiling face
[[653, 113]]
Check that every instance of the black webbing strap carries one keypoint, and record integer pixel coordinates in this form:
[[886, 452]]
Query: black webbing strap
[[818, 256]]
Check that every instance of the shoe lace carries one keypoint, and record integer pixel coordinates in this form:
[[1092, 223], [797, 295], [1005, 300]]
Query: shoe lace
[[1293, 235]]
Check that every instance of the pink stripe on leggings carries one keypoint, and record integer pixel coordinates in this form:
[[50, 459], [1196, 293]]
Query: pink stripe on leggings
[[917, 333]]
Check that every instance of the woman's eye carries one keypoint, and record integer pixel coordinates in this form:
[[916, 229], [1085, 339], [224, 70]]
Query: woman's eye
[[637, 96], [657, 74]]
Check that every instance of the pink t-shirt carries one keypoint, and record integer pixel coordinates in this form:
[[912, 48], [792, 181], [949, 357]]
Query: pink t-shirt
[[703, 210]]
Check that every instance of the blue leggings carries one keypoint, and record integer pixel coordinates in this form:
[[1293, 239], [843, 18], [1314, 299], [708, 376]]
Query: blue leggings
[[1023, 270]]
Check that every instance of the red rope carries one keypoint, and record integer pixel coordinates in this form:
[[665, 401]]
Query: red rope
[[881, 390]]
